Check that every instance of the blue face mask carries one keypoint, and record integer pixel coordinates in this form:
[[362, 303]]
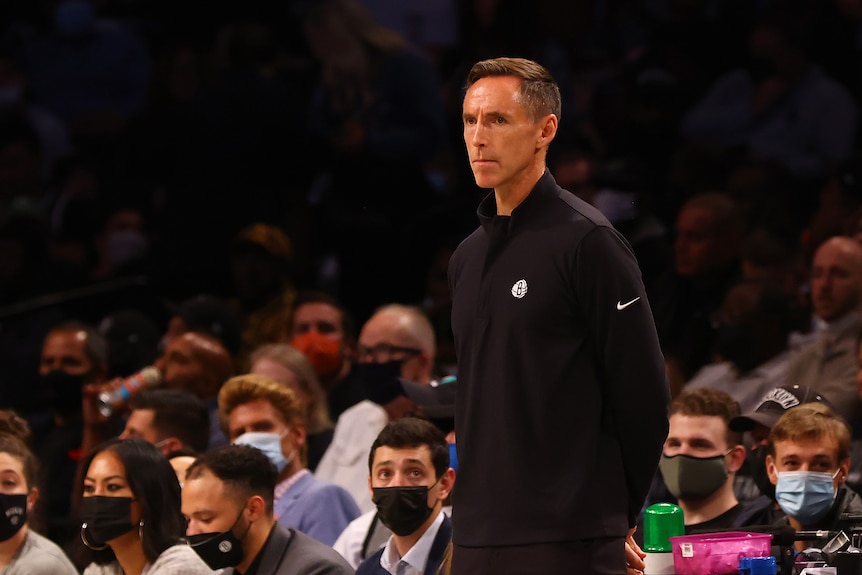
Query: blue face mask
[[805, 495], [270, 444]]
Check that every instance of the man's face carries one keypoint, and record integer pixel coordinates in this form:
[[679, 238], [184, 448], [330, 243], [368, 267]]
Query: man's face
[[140, 425], [181, 365], [320, 317], [65, 351], [501, 138], [835, 280], [817, 454], [696, 436], [698, 250], [207, 506], [403, 467], [260, 415], [383, 340]]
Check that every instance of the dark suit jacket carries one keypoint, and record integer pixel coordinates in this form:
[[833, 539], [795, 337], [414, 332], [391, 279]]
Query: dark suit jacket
[[371, 565], [289, 552]]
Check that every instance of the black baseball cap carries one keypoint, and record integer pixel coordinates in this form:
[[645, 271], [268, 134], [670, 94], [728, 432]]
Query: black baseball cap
[[774, 404]]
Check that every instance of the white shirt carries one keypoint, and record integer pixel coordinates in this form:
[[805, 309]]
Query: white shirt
[[414, 561], [349, 543], [345, 461]]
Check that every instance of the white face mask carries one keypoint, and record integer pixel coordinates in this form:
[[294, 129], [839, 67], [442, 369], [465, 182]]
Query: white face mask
[[270, 444]]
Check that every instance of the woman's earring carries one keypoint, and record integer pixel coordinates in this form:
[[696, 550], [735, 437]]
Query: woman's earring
[[87, 543], [141, 530]]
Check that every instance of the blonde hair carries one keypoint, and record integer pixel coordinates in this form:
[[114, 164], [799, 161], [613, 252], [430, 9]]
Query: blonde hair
[[317, 411], [811, 421], [249, 387]]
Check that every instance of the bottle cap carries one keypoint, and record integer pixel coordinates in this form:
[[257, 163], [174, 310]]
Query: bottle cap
[[662, 521], [758, 565]]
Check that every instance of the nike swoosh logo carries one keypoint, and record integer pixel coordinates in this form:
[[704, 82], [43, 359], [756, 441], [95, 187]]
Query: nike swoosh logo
[[621, 306]]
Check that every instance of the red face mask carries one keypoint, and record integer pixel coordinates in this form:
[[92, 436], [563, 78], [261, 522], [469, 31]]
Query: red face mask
[[323, 352]]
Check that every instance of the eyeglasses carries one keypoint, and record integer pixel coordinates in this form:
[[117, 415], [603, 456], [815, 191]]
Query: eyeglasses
[[385, 352]]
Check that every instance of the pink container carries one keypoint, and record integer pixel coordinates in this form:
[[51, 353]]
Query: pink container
[[717, 553]]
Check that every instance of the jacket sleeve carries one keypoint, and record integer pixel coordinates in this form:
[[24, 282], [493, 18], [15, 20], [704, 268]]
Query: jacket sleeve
[[628, 356]]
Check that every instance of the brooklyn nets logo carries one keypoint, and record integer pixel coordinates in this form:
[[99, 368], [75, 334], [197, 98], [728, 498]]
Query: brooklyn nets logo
[[519, 290]]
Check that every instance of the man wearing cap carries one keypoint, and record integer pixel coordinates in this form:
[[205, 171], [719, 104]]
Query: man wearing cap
[[759, 423]]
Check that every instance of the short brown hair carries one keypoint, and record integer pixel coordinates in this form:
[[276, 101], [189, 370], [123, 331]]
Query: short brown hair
[[539, 92], [705, 401], [249, 387], [811, 421]]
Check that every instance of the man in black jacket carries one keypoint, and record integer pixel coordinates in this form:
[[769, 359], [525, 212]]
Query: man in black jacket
[[227, 500], [561, 408]]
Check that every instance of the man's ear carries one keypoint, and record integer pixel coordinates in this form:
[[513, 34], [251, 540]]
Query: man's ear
[[299, 432], [736, 458], [550, 123], [447, 482], [255, 508], [845, 471], [771, 471], [32, 497], [171, 444]]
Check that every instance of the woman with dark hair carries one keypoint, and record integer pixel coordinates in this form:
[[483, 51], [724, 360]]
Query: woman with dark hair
[[132, 520], [22, 550]]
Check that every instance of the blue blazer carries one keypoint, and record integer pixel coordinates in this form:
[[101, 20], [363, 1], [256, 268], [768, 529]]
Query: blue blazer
[[371, 565], [318, 509]]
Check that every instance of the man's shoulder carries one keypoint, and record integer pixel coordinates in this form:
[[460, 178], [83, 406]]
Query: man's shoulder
[[371, 564], [305, 552]]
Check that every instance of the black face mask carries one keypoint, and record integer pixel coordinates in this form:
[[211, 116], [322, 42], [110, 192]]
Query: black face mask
[[402, 509], [757, 463], [104, 519], [381, 380], [219, 550], [13, 515], [64, 390]]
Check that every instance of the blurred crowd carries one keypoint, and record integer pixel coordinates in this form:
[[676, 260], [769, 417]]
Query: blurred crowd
[[191, 183]]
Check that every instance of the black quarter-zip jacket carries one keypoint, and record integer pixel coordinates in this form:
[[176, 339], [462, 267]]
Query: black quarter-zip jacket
[[562, 397]]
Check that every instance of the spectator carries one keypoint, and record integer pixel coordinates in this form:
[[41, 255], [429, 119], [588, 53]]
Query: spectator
[[707, 263], [23, 551], [759, 422], [396, 342], [410, 478], [260, 412], [74, 356], [130, 512], [828, 364], [173, 420], [227, 500], [751, 354], [325, 331], [701, 458], [808, 461], [289, 366]]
